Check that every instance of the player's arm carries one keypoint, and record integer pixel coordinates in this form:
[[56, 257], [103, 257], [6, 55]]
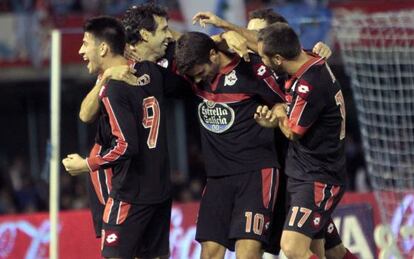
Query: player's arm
[[123, 123], [275, 117], [123, 129], [266, 85], [90, 104], [279, 112], [231, 40], [204, 18], [251, 36], [304, 109]]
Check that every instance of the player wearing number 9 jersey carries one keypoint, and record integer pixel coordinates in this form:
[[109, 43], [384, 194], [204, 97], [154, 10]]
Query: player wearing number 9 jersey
[[132, 142], [139, 201]]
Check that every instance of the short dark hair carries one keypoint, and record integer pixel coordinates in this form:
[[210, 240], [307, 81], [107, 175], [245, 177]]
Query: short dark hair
[[268, 15], [139, 17], [193, 48], [281, 39], [109, 30]]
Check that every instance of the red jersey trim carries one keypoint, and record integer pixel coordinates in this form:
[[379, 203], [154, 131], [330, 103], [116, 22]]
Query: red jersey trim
[[121, 144], [221, 97], [267, 184], [108, 209], [95, 175], [274, 86], [295, 115], [334, 192], [108, 179], [319, 193], [122, 212], [312, 61], [225, 70], [230, 66], [276, 189]]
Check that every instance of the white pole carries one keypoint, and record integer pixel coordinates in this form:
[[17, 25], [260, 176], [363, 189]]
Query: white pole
[[55, 66]]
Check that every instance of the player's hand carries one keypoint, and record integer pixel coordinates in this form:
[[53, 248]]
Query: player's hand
[[75, 165], [279, 110], [131, 54], [204, 18], [265, 117], [237, 43], [121, 73], [322, 50], [216, 38]]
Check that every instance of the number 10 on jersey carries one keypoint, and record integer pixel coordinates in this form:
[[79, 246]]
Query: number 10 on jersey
[[151, 119]]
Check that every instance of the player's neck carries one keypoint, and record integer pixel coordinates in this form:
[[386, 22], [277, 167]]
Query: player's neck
[[292, 66], [145, 54], [224, 59], [116, 60]]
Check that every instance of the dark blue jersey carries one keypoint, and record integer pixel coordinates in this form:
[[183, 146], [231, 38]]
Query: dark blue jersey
[[232, 141], [138, 153], [317, 113]]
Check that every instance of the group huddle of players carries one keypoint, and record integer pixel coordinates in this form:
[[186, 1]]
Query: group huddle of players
[[271, 117]]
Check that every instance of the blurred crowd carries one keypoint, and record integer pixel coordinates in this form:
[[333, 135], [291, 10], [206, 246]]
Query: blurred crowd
[[112, 7], [64, 7]]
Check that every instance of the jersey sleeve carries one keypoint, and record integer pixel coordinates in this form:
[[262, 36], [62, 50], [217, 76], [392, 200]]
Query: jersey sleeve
[[268, 86], [173, 84], [306, 106], [176, 85], [122, 123]]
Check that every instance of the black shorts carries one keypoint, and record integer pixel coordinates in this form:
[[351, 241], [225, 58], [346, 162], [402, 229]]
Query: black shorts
[[311, 206], [237, 207], [97, 208], [136, 230], [99, 185], [278, 218], [332, 237]]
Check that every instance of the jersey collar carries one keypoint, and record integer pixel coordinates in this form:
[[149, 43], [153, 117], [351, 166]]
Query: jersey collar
[[314, 60], [230, 66]]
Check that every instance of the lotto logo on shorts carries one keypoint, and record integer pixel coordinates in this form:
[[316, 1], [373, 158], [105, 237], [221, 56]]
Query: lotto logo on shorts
[[111, 238], [331, 228], [316, 220]]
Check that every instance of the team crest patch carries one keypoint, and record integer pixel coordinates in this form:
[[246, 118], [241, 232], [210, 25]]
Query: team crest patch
[[231, 78], [143, 80], [215, 117], [163, 62]]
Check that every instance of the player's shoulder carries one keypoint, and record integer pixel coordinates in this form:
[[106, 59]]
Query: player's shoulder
[[115, 89], [116, 85], [146, 66], [257, 68], [320, 76], [312, 83]]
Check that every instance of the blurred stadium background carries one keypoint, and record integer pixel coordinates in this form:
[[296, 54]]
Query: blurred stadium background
[[373, 53]]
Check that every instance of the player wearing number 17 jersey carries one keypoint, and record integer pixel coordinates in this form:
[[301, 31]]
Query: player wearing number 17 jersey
[[315, 122]]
